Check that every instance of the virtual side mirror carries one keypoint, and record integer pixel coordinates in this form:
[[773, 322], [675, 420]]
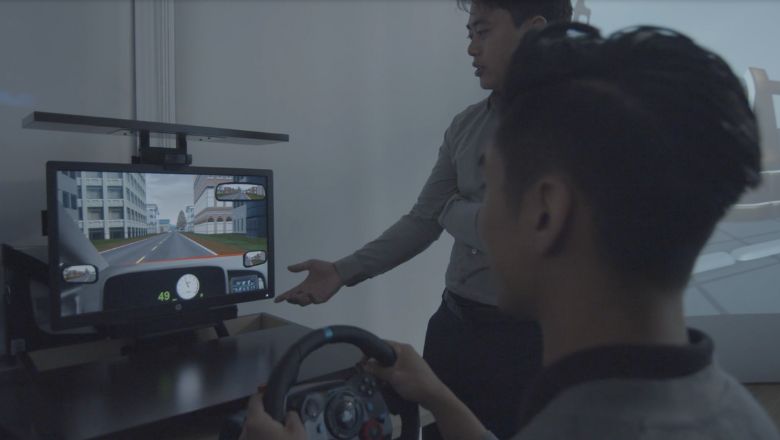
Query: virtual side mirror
[[239, 192], [81, 274], [255, 258]]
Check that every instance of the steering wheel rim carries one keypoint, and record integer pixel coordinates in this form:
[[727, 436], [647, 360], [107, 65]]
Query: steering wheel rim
[[285, 374]]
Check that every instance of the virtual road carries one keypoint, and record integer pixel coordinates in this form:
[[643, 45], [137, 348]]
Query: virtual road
[[167, 246]]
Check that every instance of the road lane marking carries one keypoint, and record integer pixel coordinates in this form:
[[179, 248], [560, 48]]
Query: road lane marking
[[125, 245], [202, 257], [204, 247], [140, 260]]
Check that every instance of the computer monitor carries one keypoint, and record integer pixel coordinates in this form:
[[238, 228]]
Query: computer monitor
[[129, 242]]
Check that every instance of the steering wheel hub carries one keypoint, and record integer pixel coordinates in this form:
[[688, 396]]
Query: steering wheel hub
[[343, 416]]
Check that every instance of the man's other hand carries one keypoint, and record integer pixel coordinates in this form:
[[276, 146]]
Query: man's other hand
[[319, 286], [260, 426], [411, 377]]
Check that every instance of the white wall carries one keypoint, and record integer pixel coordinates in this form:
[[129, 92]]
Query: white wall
[[365, 90], [70, 57]]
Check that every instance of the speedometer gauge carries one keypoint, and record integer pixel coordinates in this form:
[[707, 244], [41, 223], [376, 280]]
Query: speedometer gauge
[[187, 286]]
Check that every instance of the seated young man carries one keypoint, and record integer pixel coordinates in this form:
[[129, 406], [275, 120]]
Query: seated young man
[[614, 160]]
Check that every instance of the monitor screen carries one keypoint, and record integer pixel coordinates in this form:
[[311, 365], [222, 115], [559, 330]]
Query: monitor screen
[[129, 241]]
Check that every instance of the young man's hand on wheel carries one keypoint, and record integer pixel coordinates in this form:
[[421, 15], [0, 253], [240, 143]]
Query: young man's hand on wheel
[[260, 426], [410, 377]]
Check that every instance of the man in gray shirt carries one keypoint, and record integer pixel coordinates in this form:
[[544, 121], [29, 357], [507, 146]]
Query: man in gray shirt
[[466, 335]]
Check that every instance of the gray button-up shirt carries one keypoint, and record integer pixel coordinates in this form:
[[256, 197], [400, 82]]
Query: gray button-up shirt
[[450, 199], [708, 405]]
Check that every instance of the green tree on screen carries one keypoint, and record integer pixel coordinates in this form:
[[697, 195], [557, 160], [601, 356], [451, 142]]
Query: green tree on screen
[[181, 223]]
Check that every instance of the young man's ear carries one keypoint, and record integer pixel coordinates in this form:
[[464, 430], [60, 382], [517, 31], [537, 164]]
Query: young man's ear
[[536, 22], [553, 205]]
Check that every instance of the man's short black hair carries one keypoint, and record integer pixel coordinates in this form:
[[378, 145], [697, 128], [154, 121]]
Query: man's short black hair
[[551, 10], [654, 130]]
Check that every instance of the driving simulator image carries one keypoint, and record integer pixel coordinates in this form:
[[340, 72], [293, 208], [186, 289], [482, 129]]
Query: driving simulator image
[[129, 240]]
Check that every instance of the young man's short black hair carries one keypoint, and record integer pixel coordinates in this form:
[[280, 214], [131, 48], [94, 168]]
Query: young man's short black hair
[[654, 130], [551, 10]]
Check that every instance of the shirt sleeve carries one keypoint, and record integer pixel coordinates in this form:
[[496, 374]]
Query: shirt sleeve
[[414, 232], [460, 218]]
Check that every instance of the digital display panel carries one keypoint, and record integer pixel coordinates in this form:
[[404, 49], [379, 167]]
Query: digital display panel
[[131, 239]]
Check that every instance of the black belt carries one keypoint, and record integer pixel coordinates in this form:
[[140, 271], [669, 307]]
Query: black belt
[[466, 309]]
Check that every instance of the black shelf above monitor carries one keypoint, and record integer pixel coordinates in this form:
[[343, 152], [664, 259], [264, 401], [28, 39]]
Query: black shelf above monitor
[[126, 127]]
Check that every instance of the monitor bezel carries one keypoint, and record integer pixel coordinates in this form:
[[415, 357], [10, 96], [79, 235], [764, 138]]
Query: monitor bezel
[[131, 316]]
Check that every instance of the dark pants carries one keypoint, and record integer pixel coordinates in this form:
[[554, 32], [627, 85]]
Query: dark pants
[[485, 358]]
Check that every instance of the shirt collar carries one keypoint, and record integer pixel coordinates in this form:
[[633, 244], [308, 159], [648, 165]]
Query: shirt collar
[[617, 362]]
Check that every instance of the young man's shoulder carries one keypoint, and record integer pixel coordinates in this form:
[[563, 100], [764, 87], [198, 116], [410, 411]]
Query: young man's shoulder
[[708, 404]]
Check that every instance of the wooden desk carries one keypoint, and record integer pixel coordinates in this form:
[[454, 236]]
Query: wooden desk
[[151, 393]]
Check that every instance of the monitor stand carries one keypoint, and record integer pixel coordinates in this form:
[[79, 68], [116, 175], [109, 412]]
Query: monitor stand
[[159, 333]]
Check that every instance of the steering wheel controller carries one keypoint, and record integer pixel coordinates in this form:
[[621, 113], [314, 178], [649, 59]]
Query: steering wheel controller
[[358, 407], [354, 409]]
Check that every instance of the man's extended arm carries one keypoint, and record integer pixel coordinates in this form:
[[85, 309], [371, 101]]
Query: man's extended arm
[[410, 235]]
